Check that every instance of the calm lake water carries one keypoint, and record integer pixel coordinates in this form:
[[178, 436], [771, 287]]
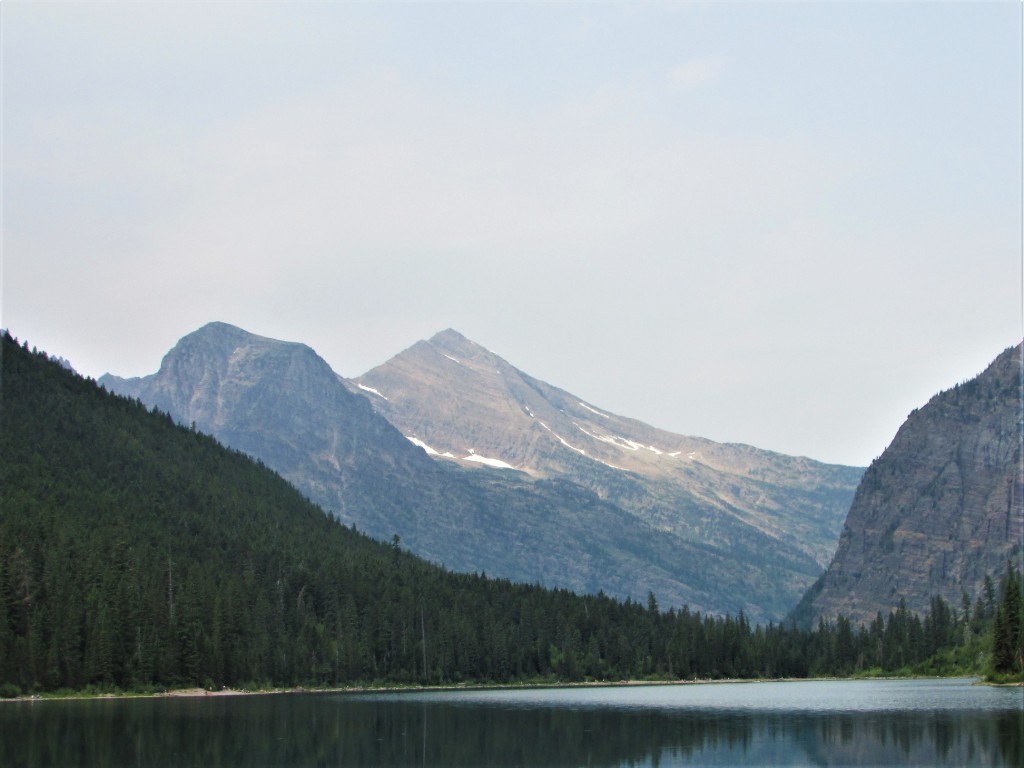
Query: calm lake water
[[880, 722]]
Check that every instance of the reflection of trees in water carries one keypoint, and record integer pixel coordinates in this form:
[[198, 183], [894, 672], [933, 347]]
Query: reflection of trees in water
[[331, 730], [919, 738]]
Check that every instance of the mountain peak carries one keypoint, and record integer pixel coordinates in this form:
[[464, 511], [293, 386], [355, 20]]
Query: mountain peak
[[219, 326], [452, 339], [455, 346], [448, 335], [223, 332], [225, 342]]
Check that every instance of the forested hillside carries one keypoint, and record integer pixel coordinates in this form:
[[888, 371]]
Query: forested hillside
[[135, 553]]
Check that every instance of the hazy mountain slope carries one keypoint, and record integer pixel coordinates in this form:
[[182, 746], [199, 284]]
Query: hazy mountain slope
[[467, 404], [281, 403], [940, 508]]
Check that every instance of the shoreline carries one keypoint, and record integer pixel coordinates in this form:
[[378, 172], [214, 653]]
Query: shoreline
[[202, 693]]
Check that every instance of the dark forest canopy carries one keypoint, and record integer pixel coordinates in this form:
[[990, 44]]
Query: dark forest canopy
[[139, 554]]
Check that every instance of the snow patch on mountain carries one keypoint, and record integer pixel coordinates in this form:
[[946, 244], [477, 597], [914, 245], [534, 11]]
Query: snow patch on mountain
[[580, 450], [624, 443], [498, 463], [371, 390], [430, 451], [562, 441], [594, 410], [619, 442]]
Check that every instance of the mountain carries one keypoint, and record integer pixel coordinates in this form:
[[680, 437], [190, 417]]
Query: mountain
[[139, 554], [462, 402], [939, 510], [282, 404]]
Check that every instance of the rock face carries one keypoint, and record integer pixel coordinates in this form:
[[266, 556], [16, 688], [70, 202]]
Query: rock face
[[595, 506], [940, 508], [467, 404], [281, 403]]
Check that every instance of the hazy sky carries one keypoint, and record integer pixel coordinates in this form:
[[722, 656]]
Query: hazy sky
[[784, 225]]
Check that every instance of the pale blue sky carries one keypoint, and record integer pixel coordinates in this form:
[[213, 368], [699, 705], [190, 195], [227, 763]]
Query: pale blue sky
[[779, 224]]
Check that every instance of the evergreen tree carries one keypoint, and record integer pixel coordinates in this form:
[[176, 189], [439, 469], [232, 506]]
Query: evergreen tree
[[1008, 627]]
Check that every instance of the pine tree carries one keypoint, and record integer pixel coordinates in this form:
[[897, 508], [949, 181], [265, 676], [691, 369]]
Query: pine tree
[[1008, 628]]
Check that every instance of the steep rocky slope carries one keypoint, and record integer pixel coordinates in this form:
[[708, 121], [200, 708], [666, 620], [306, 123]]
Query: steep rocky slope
[[466, 404], [283, 404], [939, 509], [280, 402]]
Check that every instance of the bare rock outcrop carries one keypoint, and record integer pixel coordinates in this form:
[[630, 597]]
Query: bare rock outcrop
[[939, 509]]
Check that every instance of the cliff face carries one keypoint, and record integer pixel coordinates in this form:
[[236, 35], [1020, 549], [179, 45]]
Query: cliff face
[[939, 509]]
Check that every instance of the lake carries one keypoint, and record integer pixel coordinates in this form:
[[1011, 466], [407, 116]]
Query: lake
[[820, 723]]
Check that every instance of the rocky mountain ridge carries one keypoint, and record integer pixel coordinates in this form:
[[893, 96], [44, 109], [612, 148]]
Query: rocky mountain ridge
[[942, 507], [281, 403], [462, 402]]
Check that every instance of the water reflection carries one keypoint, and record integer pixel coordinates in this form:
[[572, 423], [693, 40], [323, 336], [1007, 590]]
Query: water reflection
[[306, 730]]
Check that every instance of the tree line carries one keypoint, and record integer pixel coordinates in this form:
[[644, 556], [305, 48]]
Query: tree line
[[138, 554]]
